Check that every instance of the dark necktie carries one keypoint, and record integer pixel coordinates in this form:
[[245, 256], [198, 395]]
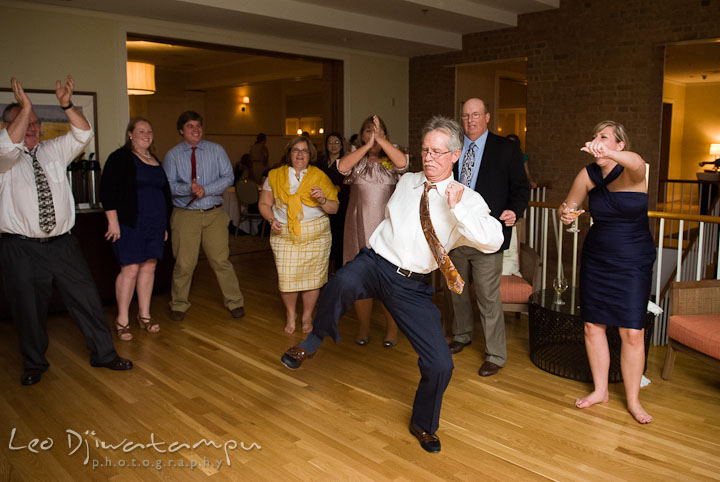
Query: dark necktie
[[46, 208], [193, 164], [453, 278], [193, 173], [468, 164]]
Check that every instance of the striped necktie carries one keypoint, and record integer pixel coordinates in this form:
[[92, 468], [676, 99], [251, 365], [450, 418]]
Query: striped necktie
[[453, 278], [46, 208]]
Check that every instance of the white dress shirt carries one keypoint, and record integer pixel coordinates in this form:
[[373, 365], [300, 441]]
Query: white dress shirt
[[280, 212], [18, 191], [400, 239]]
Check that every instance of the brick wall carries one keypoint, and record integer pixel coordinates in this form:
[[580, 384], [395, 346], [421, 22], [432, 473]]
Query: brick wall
[[586, 61]]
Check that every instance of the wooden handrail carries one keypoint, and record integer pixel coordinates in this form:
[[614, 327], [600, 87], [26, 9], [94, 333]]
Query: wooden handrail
[[651, 214]]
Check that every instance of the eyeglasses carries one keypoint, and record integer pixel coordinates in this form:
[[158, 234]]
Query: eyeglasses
[[432, 154], [473, 115], [33, 124], [300, 151], [334, 142]]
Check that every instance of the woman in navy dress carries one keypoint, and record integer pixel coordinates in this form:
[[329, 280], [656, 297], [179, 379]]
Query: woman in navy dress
[[136, 198], [617, 261]]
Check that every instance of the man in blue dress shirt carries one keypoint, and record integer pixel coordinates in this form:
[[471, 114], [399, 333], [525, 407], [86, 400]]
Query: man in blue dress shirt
[[199, 172]]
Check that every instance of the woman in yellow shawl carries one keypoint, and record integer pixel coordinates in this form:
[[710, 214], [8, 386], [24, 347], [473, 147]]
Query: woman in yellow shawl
[[296, 200]]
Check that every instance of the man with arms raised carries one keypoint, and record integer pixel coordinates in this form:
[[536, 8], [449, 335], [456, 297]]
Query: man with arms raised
[[428, 215], [36, 247]]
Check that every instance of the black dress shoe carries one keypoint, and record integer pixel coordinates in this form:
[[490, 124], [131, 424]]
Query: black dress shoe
[[428, 441], [177, 315], [117, 363], [237, 312], [294, 357], [488, 368], [31, 376], [457, 346], [362, 341], [389, 343]]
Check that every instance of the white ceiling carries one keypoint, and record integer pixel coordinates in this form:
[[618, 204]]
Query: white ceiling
[[398, 27]]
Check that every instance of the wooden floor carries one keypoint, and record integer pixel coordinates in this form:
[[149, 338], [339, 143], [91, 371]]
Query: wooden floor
[[342, 416]]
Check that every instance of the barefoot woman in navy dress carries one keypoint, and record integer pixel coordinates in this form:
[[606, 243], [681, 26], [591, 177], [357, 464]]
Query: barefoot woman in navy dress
[[617, 261]]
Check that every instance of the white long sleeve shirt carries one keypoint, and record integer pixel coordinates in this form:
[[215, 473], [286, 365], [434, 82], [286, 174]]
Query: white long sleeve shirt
[[18, 191], [399, 238]]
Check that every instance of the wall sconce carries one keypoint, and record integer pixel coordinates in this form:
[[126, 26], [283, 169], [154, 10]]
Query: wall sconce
[[299, 132], [245, 102], [140, 78]]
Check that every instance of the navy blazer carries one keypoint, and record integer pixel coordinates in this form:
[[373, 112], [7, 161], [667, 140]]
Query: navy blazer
[[502, 180]]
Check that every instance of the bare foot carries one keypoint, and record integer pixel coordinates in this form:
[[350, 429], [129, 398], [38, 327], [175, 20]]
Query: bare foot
[[592, 399], [639, 413], [290, 323], [307, 326]]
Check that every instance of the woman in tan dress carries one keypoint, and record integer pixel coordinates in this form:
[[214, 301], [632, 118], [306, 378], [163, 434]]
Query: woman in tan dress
[[372, 171]]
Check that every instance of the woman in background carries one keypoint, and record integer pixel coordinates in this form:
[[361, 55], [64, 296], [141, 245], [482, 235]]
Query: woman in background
[[334, 150], [617, 260], [136, 197], [372, 171], [296, 200]]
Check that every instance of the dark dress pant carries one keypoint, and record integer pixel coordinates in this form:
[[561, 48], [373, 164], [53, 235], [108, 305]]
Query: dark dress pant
[[29, 270], [409, 301]]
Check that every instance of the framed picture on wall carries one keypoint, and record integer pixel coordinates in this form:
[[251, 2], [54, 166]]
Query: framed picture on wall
[[53, 120]]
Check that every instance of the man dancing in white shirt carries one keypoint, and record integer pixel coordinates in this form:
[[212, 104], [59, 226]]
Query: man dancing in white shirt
[[37, 250], [397, 266]]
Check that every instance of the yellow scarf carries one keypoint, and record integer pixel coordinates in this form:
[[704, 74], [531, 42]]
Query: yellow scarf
[[280, 185]]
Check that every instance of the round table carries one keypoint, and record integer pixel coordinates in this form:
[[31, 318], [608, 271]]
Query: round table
[[557, 337]]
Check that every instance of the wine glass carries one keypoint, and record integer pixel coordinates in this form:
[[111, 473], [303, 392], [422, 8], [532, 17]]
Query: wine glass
[[573, 213], [560, 284]]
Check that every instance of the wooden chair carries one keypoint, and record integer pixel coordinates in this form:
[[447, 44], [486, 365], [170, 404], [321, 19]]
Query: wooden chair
[[694, 324]]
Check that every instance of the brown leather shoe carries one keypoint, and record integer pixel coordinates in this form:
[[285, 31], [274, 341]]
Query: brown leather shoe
[[488, 368], [177, 315], [428, 441], [294, 357], [237, 312], [457, 346]]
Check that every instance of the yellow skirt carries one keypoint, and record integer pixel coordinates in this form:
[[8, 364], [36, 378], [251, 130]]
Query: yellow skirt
[[302, 261]]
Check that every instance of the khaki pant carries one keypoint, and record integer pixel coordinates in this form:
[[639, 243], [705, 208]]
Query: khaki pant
[[190, 229], [485, 271]]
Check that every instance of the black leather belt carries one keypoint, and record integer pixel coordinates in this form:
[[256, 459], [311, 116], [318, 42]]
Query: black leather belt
[[35, 240], [203, 210], [409, 274]]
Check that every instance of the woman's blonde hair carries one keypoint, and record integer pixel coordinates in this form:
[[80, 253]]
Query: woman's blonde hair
[[619, 130]]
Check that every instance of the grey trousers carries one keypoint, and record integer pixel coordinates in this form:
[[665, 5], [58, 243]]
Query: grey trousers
[[485, 271]]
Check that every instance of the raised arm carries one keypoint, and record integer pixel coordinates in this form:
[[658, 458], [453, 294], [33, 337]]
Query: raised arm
[[396, 155], [18, 126], [64, 94], [634, 164]]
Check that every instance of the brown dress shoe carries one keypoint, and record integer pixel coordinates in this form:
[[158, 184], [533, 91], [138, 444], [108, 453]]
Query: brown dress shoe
[[294, 357], [428, 441], [237, 312], [177, 315], [488, 368], [457, 346]]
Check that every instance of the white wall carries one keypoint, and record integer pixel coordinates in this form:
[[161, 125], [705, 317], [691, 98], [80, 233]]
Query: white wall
[[50, 42]]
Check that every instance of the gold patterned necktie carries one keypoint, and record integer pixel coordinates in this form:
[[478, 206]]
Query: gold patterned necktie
[[46, 208], [453, 278]]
